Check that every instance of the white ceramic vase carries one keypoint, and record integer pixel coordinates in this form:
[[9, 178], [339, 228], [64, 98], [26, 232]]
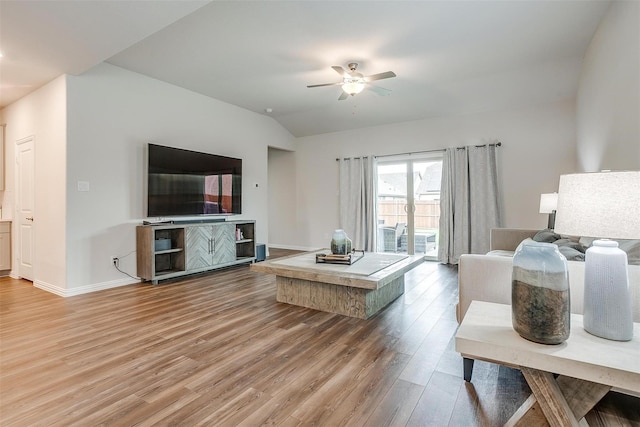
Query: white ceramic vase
[[607, 299]]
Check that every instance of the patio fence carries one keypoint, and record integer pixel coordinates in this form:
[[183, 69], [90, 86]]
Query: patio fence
[[427, 214]]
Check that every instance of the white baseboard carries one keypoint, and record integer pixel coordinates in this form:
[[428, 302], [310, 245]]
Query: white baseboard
[[49, 288], [79, 290]]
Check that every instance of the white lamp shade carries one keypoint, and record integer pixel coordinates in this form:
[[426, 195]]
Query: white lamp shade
[[548, 202], [605, 205]]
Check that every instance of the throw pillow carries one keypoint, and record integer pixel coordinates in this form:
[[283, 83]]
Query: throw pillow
[[632, 248], [570, 244], [571, 254], [547, 236]]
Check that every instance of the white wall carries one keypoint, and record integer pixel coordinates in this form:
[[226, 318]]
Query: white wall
[[94, 128], [608, 102], [538, 146], [113, 114], [42, 115]]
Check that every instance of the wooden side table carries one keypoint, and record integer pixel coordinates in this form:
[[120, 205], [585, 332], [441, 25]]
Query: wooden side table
[[587, 366]]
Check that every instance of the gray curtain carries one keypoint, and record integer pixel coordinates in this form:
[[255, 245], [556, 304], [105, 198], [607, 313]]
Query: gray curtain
[[357, 201], [470, 204]]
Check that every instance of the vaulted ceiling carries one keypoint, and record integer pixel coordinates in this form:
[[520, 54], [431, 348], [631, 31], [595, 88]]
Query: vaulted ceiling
[[450, 57]]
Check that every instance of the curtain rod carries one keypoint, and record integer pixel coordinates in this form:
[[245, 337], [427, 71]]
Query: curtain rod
[[413, 152], [497, 144], [350, 158]]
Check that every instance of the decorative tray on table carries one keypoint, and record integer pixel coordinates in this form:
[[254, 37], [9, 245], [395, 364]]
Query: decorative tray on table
[[346, 259]]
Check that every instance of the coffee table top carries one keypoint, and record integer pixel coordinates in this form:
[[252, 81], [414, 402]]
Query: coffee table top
[[303, 266], [486, 333]]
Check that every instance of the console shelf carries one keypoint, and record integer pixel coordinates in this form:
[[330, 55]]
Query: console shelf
[[169, 251], [173, 250], [165, 272], [245, 241]]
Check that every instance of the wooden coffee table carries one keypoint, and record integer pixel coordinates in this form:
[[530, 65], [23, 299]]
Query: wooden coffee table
[[346, 290], [588, 366]]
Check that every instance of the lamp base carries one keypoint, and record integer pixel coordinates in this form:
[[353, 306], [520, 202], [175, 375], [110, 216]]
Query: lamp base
[[551, 223], [607, 300]]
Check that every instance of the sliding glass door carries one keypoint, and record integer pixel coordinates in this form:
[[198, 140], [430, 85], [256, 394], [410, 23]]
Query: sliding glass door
[[408, 204]]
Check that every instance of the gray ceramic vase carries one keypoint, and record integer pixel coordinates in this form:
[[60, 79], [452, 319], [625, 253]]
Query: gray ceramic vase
[[540, 304]]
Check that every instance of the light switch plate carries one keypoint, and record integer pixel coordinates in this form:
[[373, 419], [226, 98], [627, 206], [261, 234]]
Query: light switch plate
[[83, 185]]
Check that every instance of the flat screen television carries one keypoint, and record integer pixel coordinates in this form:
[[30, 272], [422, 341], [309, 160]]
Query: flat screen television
[[183, 183]]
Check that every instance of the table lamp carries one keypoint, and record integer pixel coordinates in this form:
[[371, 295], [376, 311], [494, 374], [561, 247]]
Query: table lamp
[[603, 205], [548, 204]]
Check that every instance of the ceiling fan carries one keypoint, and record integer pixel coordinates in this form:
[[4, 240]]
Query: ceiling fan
[[353, 82]]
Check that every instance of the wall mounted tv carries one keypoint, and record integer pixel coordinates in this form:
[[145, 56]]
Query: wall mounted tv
[[184, 182]]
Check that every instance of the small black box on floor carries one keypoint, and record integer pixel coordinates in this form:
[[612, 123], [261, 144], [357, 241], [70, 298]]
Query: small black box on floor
[[261, 252]]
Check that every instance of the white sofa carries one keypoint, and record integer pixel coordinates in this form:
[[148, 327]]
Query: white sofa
[[488, 277]]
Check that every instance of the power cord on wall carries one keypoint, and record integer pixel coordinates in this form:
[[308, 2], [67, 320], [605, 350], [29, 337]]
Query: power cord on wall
[[116, 264]]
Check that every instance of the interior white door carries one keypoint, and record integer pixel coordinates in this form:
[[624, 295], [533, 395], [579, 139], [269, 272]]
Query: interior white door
[[25, 206]]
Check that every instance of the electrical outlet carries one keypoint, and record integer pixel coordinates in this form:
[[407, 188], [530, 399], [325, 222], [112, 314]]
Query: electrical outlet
[[115, 261]]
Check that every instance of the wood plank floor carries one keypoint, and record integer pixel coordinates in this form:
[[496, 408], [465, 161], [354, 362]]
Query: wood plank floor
[[218, 350]]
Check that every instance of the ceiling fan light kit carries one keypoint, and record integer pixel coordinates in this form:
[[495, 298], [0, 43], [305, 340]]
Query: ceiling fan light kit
[[353, 82], [353, 86]]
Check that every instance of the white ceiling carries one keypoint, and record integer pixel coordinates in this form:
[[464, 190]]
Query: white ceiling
[[450, 57]]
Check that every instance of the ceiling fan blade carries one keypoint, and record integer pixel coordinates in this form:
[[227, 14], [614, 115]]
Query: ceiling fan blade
[[341, 71], [325, 84], [380, 90], [380, 76], [344, 95]]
